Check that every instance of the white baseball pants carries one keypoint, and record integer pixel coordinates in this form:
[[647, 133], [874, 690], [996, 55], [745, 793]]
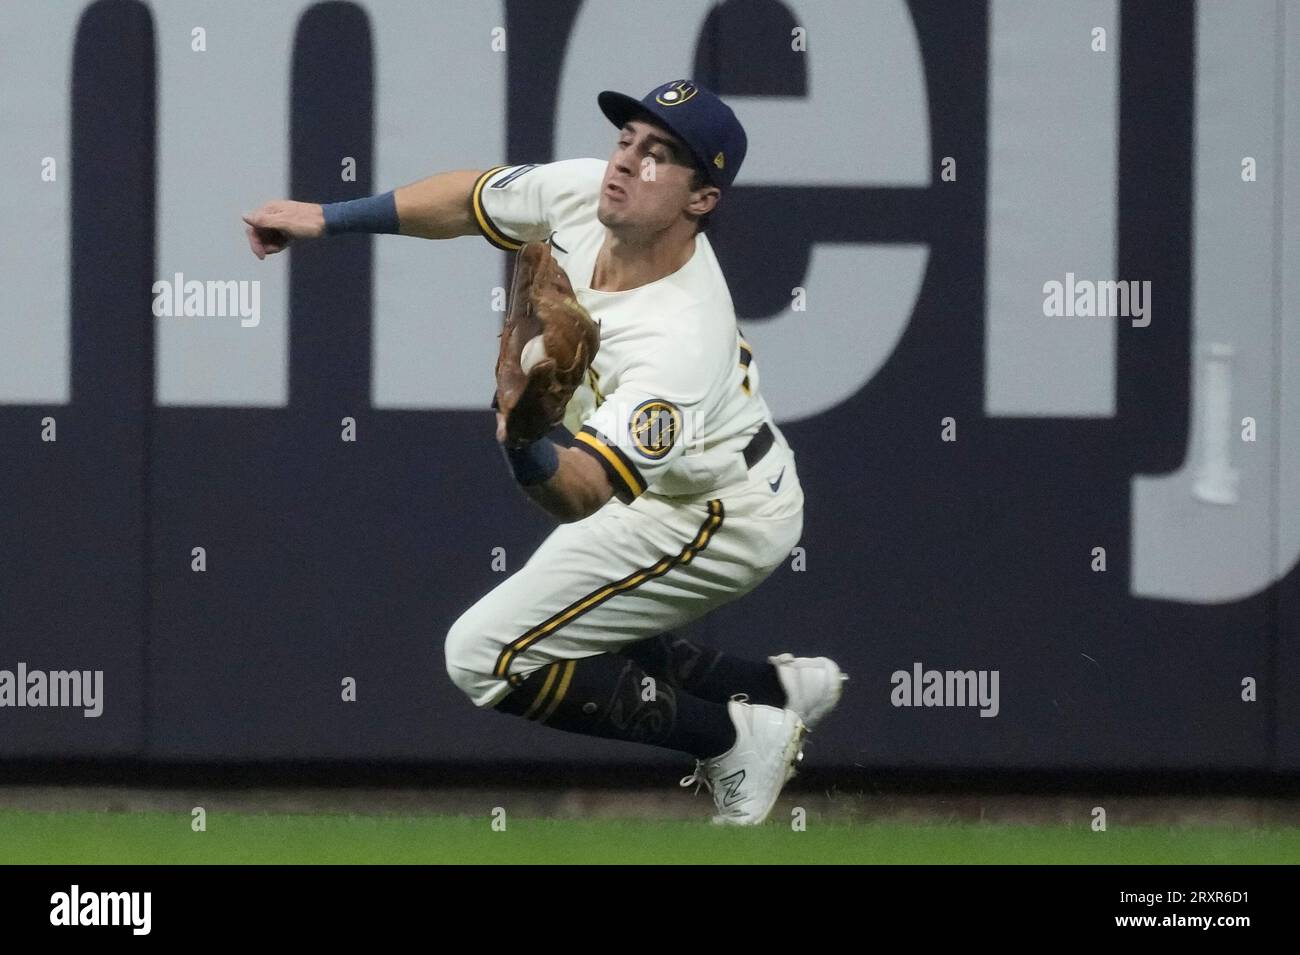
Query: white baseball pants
[[627, 573]]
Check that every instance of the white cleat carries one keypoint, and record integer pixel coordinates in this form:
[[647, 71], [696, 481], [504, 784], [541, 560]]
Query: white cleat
[[746, 780], [812, 685]]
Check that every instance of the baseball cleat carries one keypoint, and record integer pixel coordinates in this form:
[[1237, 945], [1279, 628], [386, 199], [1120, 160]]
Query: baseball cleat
[[746, 780], [812, 685]]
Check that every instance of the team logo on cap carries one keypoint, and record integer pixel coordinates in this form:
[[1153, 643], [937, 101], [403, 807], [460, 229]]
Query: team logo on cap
[[718, 160], [654, 427], [677, 93]]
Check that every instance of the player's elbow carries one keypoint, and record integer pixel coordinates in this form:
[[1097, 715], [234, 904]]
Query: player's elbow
[[570, 514], [589, 490], [580, 506], [438, 207]]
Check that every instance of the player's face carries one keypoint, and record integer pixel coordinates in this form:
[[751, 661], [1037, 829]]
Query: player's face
[[647, 184]]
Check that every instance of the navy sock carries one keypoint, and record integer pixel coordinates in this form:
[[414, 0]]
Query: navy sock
[[706, 673], [609, 696]]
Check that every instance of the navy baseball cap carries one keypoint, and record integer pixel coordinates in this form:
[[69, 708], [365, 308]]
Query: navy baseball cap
[[694, 115]]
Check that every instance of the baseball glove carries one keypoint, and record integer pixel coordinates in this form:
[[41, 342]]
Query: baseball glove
[[547, 343]]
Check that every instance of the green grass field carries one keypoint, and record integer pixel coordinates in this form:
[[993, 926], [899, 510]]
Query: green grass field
[[156, 837]]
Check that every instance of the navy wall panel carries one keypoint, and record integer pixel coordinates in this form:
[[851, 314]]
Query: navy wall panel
[[328, 559]]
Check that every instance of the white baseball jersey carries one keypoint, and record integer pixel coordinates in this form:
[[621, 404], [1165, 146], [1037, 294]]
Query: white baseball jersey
[[670, 402], [672, 397]]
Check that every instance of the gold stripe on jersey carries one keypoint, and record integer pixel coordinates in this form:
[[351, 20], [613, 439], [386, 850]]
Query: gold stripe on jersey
[[600, 595], [490, 230], [623, 474]]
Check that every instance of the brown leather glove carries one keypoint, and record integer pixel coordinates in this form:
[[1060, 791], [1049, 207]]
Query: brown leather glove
[[542, 303]]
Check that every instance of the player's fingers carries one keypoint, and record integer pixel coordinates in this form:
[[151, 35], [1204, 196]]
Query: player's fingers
[[273, 240], [543, 371], [255, 243]]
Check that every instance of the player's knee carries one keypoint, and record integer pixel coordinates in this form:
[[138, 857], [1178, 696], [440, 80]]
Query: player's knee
[[458, 650], [470, 661]]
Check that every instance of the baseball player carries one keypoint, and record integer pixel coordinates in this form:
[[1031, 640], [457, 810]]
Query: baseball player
[[677, 493]]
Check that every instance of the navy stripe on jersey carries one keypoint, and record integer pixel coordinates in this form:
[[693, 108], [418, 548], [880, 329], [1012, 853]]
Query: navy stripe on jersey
[[623, 474], [491, 231]]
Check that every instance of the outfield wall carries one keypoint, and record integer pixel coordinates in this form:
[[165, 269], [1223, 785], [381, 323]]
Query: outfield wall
[[919, 170]]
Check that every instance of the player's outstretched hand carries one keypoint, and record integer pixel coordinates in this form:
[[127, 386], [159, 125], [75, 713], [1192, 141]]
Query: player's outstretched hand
[[272, 227]]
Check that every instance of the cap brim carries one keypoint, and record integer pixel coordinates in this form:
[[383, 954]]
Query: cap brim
[[618, 107]]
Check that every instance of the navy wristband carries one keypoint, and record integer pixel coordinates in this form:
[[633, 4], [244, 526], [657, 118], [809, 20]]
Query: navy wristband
[[533, 463], [371, 214]]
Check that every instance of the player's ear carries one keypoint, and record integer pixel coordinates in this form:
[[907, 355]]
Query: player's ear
[[704, 200]]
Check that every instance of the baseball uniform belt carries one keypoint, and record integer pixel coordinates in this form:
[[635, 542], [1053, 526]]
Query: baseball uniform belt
[[758, 446]]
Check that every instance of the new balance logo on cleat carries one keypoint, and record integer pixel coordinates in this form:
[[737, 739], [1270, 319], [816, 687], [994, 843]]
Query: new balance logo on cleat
[[731, 787], [746, 780]]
